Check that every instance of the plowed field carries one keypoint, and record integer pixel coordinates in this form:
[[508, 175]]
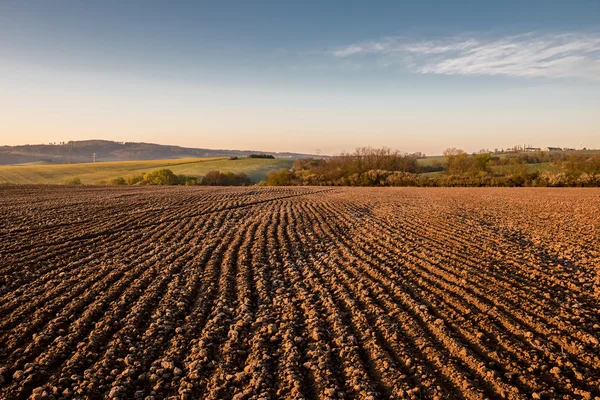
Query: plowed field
[[326, 293]]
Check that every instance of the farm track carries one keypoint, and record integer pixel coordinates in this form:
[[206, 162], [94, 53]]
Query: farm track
[[299, 293]]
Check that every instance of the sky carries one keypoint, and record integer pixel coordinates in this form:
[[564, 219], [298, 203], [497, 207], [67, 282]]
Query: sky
[[300, 76]]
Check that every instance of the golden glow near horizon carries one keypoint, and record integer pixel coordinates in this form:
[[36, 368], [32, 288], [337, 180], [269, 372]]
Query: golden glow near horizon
[[295, 122]]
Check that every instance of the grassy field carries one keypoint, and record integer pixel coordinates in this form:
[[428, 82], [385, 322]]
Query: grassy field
[[90, 173], [541, 167], [427, 161]]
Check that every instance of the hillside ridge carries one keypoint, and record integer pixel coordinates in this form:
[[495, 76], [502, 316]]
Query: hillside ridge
[[83, 151]]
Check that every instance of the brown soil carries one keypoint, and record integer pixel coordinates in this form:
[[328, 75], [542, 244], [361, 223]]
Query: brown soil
[[292, 293]]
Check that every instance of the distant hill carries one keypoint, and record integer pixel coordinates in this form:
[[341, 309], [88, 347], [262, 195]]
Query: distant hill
[[105, 150]]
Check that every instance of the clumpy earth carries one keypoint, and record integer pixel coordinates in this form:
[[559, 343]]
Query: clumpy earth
[[292, 293]]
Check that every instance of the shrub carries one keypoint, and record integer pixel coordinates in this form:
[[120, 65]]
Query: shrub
[[588, 180], [402, 179], [283, 177], [117, 181], [158, 177], [135, 180], [187, 180], [212, 178], [218, 178], [161, 177]]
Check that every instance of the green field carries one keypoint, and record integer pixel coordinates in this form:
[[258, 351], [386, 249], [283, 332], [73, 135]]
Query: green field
[[427, 161], [541, 167], [91, 173]]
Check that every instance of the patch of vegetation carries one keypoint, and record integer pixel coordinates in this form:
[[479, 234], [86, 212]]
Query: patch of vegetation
[[261, 156], [164, 177], [385, 167], [217, 178]]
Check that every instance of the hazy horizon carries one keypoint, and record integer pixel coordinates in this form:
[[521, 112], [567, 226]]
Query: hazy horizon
[[314, 152], [270, 76]]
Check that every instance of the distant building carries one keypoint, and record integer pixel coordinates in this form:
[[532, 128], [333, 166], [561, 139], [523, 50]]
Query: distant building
[[533, 149], [552, 149]]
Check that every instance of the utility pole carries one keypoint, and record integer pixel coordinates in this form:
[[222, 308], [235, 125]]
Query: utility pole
[[94, 156]]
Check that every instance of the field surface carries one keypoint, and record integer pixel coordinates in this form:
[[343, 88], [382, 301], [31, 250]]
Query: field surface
[[325, 293], [90, 173]]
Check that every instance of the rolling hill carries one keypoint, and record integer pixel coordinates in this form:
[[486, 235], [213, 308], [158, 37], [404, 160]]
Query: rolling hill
[[90, 173], [105, 150]]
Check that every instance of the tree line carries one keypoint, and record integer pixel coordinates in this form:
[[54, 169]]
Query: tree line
[[368, 166], [167, 177], [386, 167]]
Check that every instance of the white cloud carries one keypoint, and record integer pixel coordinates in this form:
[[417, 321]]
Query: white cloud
[[348, 51], [528, 55]]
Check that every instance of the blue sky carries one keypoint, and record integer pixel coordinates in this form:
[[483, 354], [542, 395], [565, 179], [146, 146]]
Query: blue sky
[[297, 76]]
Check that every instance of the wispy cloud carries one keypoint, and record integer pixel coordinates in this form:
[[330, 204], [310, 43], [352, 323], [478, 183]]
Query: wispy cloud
[[527, 55]]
